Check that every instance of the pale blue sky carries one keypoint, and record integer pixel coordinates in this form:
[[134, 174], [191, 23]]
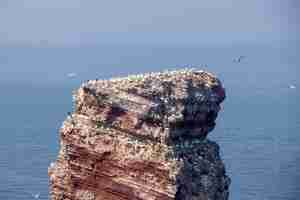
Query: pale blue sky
[[73, 22]]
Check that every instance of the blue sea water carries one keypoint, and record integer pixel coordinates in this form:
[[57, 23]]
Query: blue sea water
[[258, 128]]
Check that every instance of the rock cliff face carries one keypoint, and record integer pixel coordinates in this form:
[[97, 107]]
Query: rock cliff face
[[142, 137]]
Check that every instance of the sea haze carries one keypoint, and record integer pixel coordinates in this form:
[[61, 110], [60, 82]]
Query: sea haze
[[257, 129]]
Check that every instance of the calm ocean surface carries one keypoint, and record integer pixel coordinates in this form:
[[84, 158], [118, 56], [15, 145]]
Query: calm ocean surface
[[258, 129]]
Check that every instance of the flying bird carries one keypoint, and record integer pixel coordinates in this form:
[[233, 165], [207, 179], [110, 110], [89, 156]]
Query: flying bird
[[36, 196], [292, 87], [72, 75], [239, 59]]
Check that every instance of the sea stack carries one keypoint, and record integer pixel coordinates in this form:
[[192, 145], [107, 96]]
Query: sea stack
[[142, 137]]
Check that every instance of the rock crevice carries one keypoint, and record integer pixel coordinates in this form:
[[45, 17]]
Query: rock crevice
[[142, 137]]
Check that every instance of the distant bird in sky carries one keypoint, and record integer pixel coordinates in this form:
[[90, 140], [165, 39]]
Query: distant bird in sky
[[239, 59], [72, 75], [292, 87], [36, 196]]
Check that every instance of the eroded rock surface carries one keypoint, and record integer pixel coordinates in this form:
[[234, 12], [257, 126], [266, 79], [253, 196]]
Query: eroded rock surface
[[142, 137]]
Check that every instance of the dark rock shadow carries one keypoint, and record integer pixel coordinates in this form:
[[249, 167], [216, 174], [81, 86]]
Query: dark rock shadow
[[202, 175]]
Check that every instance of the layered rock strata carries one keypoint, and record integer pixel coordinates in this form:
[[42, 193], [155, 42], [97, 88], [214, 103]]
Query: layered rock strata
[[142, 137]]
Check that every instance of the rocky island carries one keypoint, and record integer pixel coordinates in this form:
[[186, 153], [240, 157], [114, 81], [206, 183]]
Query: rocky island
[[142, 137]]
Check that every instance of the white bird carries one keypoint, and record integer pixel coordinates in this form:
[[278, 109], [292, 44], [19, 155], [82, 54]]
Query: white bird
[[292, 87], [36, 196], [72, 75]]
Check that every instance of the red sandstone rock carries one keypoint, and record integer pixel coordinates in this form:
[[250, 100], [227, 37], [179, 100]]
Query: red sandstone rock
[[142, 138]]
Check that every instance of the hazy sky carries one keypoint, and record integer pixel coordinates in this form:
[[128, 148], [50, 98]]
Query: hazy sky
[[69, 22]]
